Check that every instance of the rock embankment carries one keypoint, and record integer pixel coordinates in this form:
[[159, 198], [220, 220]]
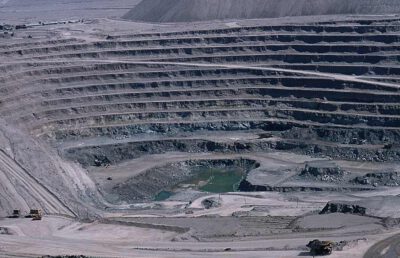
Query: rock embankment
[[379, 179], [333, 207], [327, 172]]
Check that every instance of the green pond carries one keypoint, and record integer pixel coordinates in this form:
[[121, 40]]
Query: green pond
[[162, 196], [216, 180], [213, 180]]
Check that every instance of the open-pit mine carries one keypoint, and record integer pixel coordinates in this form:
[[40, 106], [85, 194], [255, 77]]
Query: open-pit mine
[[199, 130]]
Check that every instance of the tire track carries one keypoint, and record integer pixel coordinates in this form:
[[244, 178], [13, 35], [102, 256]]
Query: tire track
[[11, 171]]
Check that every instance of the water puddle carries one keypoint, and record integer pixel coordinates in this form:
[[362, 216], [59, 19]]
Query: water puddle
[[162, 196], [212, 180], [216, 180]]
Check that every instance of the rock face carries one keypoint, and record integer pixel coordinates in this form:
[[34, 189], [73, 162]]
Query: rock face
[[333, 207], [376, 206], [211, 203], [200, 10], [379, 179], [327, 172]]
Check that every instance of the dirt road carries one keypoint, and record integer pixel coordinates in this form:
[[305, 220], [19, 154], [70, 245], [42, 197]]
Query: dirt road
[[23, 190], [388, 248]]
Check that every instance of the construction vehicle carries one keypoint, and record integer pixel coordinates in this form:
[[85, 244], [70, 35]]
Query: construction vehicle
[[321, 247], [35, 214], [15, 214]]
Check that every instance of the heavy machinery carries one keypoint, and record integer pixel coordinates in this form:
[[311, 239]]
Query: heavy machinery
[[35, 214], [321, 247], [15, 214]]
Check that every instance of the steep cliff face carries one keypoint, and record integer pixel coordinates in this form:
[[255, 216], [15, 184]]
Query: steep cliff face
[[201, 10]]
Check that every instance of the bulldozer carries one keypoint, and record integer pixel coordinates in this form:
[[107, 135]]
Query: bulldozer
[[318, 247], [35, 214]]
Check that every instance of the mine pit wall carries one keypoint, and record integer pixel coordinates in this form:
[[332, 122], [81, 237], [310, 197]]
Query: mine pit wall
[[243, 57], [285, 129], [246, 186], [344, 69], [157, 78], [145, 186], [285, 87], [279, 84], [121, 152], [72, 74], [198, 104], [217, 49], [300, 45], [75, 103]]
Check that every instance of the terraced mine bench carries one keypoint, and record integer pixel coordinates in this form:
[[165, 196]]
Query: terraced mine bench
[[312, 87]]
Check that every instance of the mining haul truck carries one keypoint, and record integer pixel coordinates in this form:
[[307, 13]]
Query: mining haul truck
[[16, 214], [320, 247], [35, 214]]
